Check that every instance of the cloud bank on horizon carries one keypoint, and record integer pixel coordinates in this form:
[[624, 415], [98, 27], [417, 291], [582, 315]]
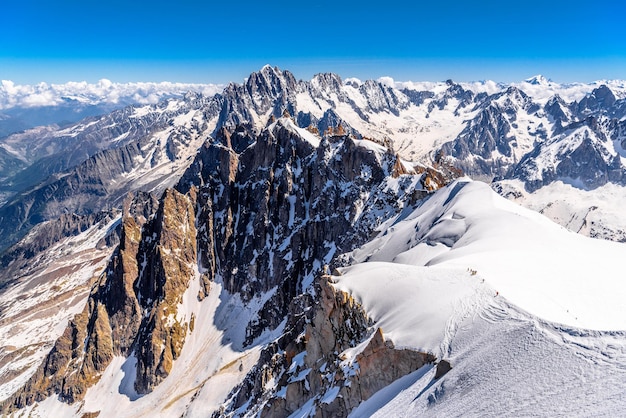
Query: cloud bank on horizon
[[14, 95]]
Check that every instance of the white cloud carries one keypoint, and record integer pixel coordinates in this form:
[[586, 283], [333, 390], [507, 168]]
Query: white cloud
[[103, 92], [353, 80], [387, 81]]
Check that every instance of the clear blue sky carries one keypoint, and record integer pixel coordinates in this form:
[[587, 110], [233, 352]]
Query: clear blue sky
[[202, 41]]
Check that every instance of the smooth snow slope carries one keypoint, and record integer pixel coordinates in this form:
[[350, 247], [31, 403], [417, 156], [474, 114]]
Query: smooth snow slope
[[541, 267], [508, 297]]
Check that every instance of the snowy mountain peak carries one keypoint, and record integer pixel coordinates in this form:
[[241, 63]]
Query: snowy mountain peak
[[328, 82], [538, 80]]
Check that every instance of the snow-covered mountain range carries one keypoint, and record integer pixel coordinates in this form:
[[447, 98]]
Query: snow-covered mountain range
[[175, 258], [26, 106]]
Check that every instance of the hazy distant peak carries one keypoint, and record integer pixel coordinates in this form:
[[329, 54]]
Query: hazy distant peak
[[538, 80]]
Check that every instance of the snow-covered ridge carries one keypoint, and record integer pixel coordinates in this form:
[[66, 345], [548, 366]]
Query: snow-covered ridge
[[512, 300], [103, 92], [555, 274]]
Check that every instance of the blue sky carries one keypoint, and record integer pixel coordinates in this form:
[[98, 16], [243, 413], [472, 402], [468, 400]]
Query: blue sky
[[202, 41]]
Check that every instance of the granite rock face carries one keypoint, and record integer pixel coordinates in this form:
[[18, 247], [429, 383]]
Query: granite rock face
[[131, 309], [309, 364], [272, 213]]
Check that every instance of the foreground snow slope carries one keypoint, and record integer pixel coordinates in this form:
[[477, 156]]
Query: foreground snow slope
[[508, 297], [507, 362]]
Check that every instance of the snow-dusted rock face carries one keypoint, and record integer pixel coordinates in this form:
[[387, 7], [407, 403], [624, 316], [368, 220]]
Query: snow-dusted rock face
[[332, 363], [279, 205], [259, 214]]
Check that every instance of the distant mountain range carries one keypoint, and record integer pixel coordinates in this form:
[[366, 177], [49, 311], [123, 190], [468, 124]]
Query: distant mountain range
[[315, 248], [26, 106]]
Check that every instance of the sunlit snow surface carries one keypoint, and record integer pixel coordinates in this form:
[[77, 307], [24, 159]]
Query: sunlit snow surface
[[596, 213], [541, 267], [530, 315]]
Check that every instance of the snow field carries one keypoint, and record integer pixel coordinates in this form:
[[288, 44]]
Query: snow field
[[550, 341]]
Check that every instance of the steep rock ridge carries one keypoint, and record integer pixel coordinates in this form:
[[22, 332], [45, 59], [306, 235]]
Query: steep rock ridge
[[168, 265], [351, 164], [267, 92], [333, 359], [132, 309], [281, 207]]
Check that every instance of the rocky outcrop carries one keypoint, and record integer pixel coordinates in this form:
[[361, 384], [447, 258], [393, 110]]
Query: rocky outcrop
[[132, 308], [314, 365], [170, 264], [268, 90]]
